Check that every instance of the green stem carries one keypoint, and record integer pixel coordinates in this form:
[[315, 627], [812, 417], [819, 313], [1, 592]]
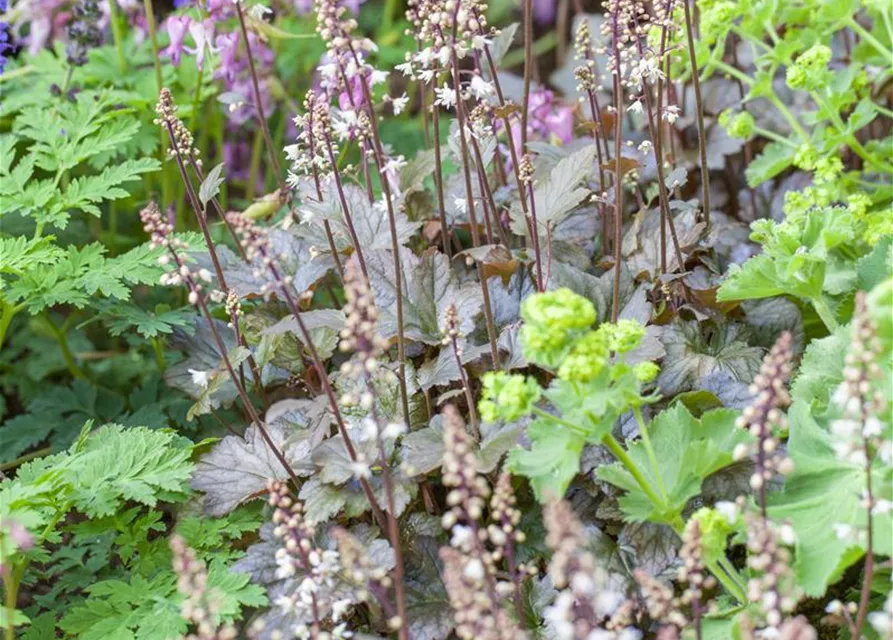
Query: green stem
[[62, 339], [821, 307], [564, 423], [15, 73], [730, 569], [788, 116], [257, 150], [391, 9], [159, 354], [726, 580], [728, 69], [870, 39], [159, 85], [118, 35], [7, 313], [774, 136], [652, 457], [620, 453], [851, 139]]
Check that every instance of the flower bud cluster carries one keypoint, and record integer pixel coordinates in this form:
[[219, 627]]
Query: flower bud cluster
[[254, 239], [199, 607], [503, 530], [763, 418], [587, 606], [360, 334], [183, 141], [859, 431], [300, 558], [526, 170], [773, 585], [160, 232], [477, 547], [662, 605], [693, 572], [369, 579], [434, 22], [468, 490], [477, 609], [83, 32], [309, 155]]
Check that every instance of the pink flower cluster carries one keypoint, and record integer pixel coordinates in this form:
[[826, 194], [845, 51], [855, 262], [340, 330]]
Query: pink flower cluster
[[232, 64]]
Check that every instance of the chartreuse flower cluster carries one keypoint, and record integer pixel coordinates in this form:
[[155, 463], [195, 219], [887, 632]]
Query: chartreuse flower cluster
[[593, 387]]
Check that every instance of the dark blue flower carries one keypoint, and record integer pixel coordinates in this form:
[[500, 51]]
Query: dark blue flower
[[4, 42]]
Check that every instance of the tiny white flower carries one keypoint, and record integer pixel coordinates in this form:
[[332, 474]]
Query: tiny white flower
[[461, 204], [446, 97], [393, 430], [635, 107], [474, 570], [671, 113], [259, 12], [406, 69], [399, 104], [339, 608], [360, 469], [200, 378], [787, 535], [480, 88], [728, 510]]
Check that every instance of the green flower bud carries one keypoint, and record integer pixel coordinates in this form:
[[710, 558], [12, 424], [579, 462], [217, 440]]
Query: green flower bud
[[624, 336], [587, 359], [552, 322], [805, 157], [809, 70], [828, 170], [716, 526], [507, 396], [738, 125], [645, 371]]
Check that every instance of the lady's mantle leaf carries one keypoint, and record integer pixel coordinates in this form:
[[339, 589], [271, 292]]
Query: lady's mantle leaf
[[690, 451], [821, 370], [823, 492]]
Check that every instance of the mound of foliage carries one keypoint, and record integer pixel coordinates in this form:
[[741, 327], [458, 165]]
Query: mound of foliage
[[429, 320]]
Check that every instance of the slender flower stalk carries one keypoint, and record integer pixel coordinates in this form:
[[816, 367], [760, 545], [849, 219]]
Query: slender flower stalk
[[161, 235], [526, 171], [451, 336], [764, 419], [181, 148], [699, 109], [258, 104], [469, 567], [361, 337], [616, 69], [438, 181], [859, 432], [653, 120], [528, 70], [469, 196], [257, 245]]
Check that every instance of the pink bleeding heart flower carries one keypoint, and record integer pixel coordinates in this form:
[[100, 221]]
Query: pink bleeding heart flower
[[177, 28]]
